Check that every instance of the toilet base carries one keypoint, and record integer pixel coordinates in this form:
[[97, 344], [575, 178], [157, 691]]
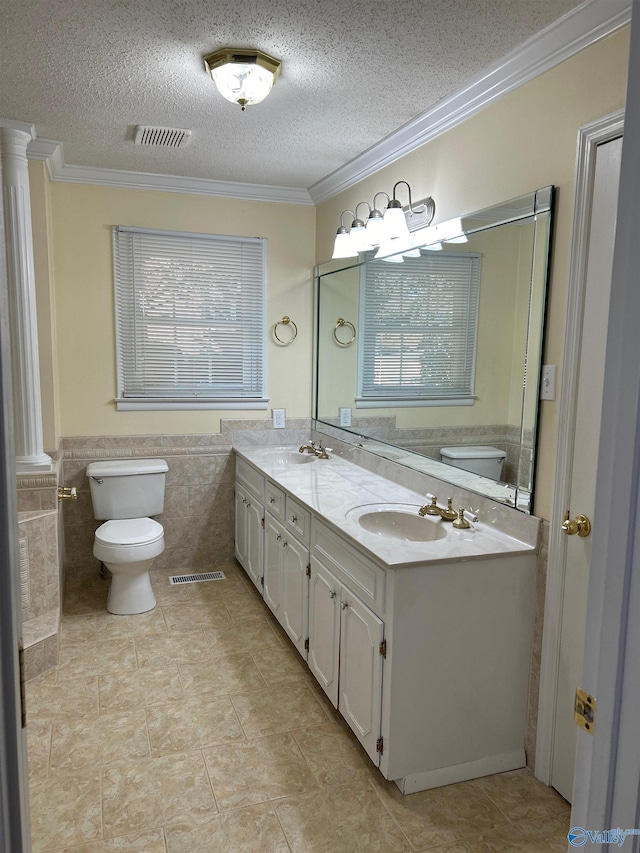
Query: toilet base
[[130, 591]]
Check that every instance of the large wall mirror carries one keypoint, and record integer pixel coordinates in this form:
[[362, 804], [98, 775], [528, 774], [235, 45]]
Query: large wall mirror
[[428, 354]]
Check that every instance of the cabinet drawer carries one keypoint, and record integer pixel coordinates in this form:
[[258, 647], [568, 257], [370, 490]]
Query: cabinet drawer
[[364, 578], [298, 520], [251, 479], [274, 500]]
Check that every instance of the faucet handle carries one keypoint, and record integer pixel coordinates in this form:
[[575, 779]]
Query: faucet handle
[[461, 523]]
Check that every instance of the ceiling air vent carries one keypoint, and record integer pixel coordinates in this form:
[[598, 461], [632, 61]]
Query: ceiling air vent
[[161, 137]]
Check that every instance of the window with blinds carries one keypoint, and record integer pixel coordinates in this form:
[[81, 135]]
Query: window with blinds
[[418, 329], [190, 320]]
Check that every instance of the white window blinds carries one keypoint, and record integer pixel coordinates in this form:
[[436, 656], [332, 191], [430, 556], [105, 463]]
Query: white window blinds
[[418, 325], [190, 319]]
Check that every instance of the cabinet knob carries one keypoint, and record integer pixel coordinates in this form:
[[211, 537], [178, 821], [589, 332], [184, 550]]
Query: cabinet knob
[[285, 544], [244, 500], [272, 500], [332, 593], [344, 605], [294, 519], [278, 537]]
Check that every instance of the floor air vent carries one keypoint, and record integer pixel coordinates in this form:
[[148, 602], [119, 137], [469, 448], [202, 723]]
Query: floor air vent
[[161, 137], [203, 576]]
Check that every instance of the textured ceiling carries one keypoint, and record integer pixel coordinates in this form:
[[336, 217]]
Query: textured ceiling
[[86, 72]]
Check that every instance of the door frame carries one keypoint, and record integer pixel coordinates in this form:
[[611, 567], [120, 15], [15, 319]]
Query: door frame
[[589, 137], [14, 783]]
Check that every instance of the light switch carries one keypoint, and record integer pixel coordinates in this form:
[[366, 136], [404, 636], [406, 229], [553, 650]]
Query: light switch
[[548, 382]]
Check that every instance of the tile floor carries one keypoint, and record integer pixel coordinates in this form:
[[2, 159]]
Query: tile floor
[[197, 728]]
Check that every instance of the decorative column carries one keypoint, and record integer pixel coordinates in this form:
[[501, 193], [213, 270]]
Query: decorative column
[[25, 370]]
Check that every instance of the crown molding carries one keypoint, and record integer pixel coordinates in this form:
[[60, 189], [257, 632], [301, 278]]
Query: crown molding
[[584, 25], [51, 153]]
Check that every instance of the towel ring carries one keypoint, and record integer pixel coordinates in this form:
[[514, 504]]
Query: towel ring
[[286, 321], [339, 325]]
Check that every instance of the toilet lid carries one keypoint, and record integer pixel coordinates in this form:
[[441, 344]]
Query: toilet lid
[[130, 531]]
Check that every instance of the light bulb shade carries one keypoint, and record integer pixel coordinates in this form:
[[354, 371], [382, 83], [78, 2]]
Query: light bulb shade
[[395, 222], [243, 77], [389, 252], [343, 246], [359, 237], [376, 229]]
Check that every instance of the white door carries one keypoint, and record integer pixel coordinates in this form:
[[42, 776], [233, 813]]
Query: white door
[[254, 512], [274, 536], [295, 593], [324, 629], [360, 693], [585, 454]]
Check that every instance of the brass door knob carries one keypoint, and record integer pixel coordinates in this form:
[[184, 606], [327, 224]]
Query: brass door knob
[[580, 525]]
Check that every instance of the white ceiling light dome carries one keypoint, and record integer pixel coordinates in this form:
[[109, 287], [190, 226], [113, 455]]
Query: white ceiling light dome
[[243, 76]]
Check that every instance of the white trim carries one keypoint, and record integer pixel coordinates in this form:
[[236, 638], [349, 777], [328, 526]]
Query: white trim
[[461, 772], [51, 152], [129, 404], [589, 137], [408, 402], [576, 30]]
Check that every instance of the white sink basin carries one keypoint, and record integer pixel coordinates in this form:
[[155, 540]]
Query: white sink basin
[[399, 522]]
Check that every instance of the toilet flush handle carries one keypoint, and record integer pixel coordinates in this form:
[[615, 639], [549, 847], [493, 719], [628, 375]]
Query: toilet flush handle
[[97, 480]]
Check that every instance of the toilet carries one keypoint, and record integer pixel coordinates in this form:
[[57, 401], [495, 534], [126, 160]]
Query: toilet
[[478, 458], [124, 493]]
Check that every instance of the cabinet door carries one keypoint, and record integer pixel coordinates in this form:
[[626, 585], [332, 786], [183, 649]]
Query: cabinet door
[[295, 593], [360, 693], [241, 526], [249, 534], [274, 537], [324, 629]]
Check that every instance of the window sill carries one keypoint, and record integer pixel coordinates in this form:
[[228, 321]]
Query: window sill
[[407, 402], [160, 404]]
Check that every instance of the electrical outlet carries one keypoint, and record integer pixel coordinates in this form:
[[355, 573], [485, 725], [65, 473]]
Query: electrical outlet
[[278, 418], [345, 416]]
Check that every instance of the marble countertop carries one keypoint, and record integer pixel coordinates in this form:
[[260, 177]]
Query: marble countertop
[[333, 488]]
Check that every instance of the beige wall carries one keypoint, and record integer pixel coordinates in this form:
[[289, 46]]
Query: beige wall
[[82, 217], [524, 141]]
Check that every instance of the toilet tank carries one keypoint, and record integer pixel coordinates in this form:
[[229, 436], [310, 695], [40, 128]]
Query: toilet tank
[[479, 459], [127, 488]]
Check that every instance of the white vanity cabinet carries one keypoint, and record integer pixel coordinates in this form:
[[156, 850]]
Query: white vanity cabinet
[[346, 651], [427, 659]]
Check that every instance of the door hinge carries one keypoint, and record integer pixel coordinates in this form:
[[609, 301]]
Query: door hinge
[[380, 745], [309, 570], [382, 648], [23, 695], [585, 711], [306, 644], [262, 581], [262, 521]]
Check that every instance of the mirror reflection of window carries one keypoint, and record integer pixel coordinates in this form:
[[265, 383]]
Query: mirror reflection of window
[[418, 324]]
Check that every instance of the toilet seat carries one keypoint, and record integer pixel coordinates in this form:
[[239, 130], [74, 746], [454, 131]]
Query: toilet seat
[[129, 531]]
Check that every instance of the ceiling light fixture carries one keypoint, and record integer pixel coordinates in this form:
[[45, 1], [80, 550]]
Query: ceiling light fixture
[[242, 76], [382, 230]]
